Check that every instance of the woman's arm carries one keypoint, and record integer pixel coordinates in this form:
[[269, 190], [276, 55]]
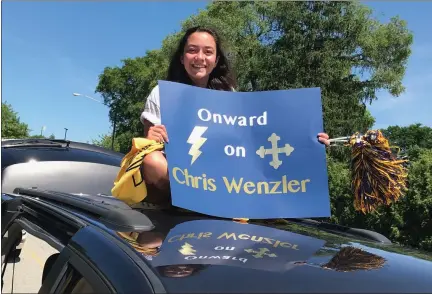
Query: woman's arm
[[147, 125]]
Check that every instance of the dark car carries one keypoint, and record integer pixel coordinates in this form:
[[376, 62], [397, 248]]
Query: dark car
[[102, 245]]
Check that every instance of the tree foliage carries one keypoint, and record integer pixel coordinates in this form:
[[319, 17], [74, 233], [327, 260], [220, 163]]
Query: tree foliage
[[42, 137], [106, 142], [11, 125], [125, 90], [410, 137], [416, 209]]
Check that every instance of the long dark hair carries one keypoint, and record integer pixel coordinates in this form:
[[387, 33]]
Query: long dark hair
[[221, 78]]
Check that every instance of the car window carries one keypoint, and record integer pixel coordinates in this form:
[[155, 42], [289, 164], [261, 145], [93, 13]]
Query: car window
[[32, 265], [25, 267], [74, 282]]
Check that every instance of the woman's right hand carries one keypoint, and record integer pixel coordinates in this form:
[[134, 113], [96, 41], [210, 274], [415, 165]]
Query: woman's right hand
[[158, 133]]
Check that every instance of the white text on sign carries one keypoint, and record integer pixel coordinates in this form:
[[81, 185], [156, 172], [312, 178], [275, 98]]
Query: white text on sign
[[243, 121]]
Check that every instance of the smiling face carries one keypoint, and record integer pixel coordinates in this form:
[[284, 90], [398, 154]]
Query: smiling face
[[199, 57]]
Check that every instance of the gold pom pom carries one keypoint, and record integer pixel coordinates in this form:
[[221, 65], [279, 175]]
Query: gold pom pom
[[378, 176]]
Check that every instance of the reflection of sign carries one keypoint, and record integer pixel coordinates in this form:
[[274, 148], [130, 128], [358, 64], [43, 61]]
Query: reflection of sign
[[187, 249], [245, 154], [260, 253], [234, 244]]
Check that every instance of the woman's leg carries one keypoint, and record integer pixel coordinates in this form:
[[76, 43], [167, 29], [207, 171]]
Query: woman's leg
[[155, 172]]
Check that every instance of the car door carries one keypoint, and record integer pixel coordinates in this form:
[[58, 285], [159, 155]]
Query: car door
[[66, 253], [71, 274], [93, 262]]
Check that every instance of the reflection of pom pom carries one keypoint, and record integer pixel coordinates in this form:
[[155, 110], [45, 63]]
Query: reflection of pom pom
[[378, 176], [241, 220], [352, 259]]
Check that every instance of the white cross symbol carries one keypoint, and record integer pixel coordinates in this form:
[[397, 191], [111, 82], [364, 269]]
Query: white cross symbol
[[275, 150]]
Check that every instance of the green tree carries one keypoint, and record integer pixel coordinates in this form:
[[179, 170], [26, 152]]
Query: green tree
[[124, 89], [341, 199], [12, 127], [416, 230], [105, 142], [409, 141], [409, 136], [52, 137]]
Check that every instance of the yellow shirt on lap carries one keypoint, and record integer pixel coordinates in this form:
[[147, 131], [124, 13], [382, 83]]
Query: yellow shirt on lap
[[129, 186]]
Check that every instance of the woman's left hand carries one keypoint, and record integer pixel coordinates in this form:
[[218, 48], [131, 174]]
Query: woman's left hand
[[323, 138]]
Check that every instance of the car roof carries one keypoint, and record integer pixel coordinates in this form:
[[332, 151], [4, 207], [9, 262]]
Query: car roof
[[321, 259], [21, 150]]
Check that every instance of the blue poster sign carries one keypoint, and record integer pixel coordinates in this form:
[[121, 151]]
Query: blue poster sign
[[245, 154], [233, 244]]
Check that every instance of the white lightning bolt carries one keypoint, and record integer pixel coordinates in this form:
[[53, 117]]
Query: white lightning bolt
[[197, 141]]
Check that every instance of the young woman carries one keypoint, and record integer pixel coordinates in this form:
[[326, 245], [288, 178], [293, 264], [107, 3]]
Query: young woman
[[200, 61]]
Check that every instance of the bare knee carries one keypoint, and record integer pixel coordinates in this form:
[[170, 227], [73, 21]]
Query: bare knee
[[155, 169]]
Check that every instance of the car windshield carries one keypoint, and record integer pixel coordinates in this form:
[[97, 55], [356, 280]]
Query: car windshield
[[24, 154], [70, 168]]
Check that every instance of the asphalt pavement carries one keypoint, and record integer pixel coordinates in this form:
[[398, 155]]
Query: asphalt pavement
[[27, 274]]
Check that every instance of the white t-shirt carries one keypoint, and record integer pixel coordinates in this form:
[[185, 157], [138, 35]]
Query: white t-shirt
[[151, 110]]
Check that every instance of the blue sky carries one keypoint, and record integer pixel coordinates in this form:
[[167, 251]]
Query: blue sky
[[52, 49]]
